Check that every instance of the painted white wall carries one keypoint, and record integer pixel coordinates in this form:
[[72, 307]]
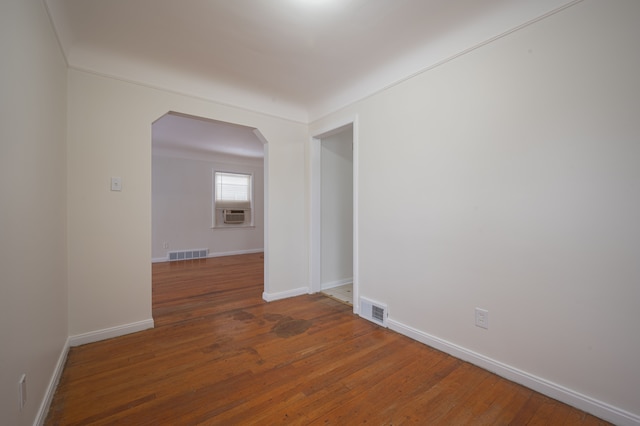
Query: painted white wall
[[182, 191], [336, 209], [110, 232], [523, 156], [33, 259], [525, 151]]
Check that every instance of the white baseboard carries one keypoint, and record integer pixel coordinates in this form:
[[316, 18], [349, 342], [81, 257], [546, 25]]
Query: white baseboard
[[235, 253], [338, 283], [218, 254], [270, 297], [575, 399], [108, 333], [41, 415]]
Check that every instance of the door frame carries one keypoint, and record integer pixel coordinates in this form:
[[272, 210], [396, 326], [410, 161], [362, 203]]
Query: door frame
[[315, 261]]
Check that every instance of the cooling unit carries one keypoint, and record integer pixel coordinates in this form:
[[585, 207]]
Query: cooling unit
[[233, 216]]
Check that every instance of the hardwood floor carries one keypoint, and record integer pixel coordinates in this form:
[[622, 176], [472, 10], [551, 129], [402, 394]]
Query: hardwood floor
[[220, 355]]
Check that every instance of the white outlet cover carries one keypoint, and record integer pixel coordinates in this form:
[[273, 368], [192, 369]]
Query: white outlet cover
[[22, 386], [482, 318]]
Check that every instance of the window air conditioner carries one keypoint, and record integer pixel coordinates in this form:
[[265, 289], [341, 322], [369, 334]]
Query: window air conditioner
[[233, 216]]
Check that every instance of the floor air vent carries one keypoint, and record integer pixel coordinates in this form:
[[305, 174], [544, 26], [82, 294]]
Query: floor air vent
[[373, 311], [188, 254]]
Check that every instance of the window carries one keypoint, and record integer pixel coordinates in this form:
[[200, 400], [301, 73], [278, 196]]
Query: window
[[232, 199]]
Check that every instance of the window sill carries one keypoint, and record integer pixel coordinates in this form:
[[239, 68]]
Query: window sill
[[216, 227]]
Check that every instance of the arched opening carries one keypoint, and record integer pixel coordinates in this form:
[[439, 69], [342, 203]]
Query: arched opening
[[189, 220]]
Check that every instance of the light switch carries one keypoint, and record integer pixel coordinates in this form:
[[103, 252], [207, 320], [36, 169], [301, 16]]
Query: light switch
[[116, 184]]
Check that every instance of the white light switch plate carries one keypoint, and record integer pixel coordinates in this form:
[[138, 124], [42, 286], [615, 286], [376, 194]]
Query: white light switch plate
[[116, 184]]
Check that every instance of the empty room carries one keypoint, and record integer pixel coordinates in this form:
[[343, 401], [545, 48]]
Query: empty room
[[190, 188]]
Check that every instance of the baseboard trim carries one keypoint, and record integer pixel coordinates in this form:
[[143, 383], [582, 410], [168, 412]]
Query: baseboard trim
[[235, 253], [218, 254], [575, 399], [338, 283], [108, 333], [270, 297], [41, 415]]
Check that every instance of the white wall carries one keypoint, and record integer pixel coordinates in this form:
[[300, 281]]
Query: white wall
[[337, 209], [110, 232], [524, 156], [33, 259], [182, 191]]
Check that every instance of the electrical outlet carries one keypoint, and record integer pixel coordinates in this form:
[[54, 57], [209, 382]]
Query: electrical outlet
[[482, 318], [165, 244], [22, 388]]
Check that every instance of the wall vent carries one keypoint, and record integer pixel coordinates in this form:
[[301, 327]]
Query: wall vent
[[188, 254], [373, 311]]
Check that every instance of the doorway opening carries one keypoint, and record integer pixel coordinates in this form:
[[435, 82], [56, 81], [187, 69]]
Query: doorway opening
[[333, 223], [188, 152]]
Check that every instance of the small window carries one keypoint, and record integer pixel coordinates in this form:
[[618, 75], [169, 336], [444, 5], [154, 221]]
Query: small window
[[232, 199]]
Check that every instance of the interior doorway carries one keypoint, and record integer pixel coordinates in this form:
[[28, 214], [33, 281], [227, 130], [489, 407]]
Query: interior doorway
[[334, 224], [188, 152]]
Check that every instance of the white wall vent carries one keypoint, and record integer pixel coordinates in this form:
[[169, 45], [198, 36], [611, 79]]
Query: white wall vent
[[373, 311], [188, 254], [233, 216]]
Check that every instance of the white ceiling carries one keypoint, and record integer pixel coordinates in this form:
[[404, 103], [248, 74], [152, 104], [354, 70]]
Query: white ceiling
[[298, 59], [182, 135]]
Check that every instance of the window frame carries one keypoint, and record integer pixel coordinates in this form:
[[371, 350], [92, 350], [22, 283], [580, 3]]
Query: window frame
[[247, 206]]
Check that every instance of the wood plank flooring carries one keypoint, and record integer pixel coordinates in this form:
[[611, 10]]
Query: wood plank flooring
[[220, 355]]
